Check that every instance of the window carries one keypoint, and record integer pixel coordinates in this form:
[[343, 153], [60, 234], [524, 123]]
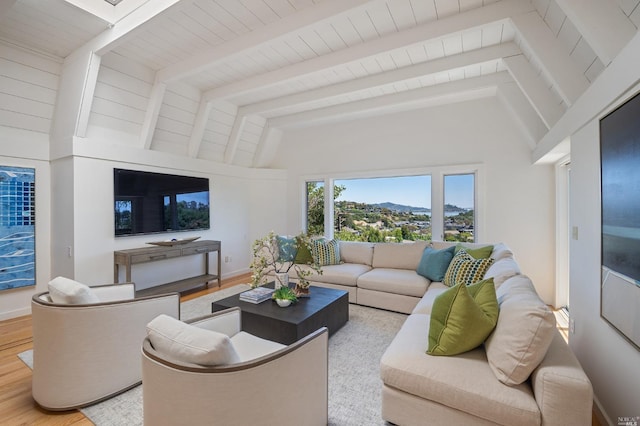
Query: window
[[436, 203], [459, 207], [123, 215], [315, 207], [394, 209]]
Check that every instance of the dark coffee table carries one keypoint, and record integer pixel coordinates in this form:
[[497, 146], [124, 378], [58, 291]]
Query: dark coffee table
[[325, 308]]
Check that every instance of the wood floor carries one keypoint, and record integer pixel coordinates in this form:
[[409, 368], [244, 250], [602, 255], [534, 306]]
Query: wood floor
[[16, 404], [17, 407]]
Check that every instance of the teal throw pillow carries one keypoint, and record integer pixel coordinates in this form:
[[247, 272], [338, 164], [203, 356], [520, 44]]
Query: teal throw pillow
[[287, 249], [434, 263], [325, 252], [462, 318]]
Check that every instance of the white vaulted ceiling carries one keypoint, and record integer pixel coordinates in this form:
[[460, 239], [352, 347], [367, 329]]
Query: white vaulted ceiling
[[218, 79]]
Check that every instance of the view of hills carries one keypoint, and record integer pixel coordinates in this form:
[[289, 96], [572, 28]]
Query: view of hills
[[397, 222], [404, 208]]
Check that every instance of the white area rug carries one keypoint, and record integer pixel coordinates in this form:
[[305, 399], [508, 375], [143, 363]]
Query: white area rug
[[354, 367]]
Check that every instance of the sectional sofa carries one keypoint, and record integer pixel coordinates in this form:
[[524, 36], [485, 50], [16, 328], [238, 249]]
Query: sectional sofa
[[523, 374]]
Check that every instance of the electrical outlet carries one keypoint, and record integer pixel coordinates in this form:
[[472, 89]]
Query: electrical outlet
[[69, 251], [574, 232], [227, 259], [572, 326]]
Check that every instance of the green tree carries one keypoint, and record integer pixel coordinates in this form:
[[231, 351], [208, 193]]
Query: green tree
[[373, 235], [406, 233], [315, 206]]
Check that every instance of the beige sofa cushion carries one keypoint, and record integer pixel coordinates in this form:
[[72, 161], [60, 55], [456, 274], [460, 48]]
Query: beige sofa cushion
[[343, 274], [396, 281], [502, 269], [188, 343], [500, 251], [69, 292], [464, 382], [356, 252], [426, 303], [398, 255], [523, 334]]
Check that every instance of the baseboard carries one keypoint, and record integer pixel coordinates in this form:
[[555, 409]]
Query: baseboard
[[15, 313], [234, 274], [600, 414]]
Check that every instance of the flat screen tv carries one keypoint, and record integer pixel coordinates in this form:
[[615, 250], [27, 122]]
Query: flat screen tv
[[148, 203]]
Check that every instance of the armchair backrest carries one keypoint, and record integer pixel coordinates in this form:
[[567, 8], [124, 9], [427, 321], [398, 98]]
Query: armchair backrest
[[85, 353], [286, 387]]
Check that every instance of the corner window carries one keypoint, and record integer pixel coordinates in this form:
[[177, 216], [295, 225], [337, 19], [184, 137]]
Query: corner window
[[459, 207]]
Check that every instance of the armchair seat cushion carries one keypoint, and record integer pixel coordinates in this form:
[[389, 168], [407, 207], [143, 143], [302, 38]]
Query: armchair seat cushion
[[250, 347], [189, 343]]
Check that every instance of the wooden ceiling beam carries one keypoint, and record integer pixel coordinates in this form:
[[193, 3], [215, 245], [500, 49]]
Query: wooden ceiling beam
[[521, 111], [456, 91], [261, 37], [478, 56], [602, 24], [556, 63], [435, 30], [534, 89]]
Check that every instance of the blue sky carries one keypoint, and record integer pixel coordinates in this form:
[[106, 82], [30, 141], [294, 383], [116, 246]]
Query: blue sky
[[408, 190]]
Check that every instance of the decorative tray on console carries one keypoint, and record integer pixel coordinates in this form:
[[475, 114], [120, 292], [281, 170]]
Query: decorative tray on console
[[173, 242]]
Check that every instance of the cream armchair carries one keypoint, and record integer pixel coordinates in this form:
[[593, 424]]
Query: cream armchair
[[84, 353], [267, 384]]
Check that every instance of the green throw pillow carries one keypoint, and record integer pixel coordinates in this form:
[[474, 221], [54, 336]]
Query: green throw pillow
[[476, 253], [287, 249], [304, 254], [325, 252], [434, 263], [462, 318], [464, 269]]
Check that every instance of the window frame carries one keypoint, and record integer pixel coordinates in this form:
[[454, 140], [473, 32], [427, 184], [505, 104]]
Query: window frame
[[475, 200], [437, 174]]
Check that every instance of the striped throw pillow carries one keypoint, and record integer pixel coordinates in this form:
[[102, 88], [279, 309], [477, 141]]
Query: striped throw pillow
[[326, 252], [464, 268]]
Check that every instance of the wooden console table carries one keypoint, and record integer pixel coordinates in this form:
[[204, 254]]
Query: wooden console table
[[130, 257]]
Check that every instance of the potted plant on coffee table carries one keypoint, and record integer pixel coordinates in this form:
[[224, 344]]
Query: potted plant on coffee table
[[278, 255], [284, 296]]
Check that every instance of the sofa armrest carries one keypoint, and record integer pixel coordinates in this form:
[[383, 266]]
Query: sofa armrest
[[561, 388], [228, 321]]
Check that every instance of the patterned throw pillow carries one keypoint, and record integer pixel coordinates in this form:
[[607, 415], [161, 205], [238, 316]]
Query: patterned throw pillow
[[326, 252], [465, 269], [287, 248]]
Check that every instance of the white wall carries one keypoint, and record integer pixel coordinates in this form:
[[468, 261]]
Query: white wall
[[232, 212], [518, 198], [28, 84], [74, 190], [612, 363]]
